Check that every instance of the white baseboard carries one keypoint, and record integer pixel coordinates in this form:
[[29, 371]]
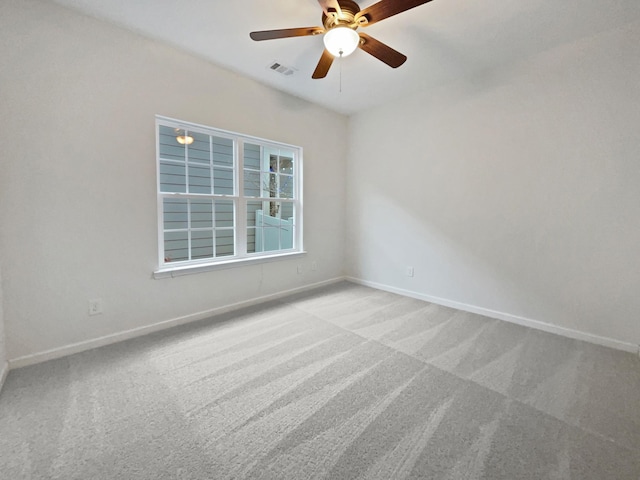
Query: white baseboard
[[140, 331], [507, 317], [4, 371]]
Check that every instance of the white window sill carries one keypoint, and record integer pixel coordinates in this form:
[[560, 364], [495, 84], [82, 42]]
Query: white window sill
[[178, 271]]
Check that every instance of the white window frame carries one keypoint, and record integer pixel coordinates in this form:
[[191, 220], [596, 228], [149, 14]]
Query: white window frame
[[241, 257]]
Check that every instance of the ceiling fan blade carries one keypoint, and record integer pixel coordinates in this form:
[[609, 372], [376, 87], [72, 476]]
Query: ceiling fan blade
[[382, 52], [330, 6], [285, 33], [385, 9], [323, 65]]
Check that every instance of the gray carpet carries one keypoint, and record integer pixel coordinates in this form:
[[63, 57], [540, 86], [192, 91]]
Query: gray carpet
[[344, 382]]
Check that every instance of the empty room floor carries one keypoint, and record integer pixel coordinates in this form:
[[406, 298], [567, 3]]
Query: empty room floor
[[343, 382]]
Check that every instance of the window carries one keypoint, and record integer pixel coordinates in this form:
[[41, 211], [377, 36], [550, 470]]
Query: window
[[224, 197]]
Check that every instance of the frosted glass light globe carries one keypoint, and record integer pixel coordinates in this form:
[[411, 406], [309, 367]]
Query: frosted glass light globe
[[341, 41]]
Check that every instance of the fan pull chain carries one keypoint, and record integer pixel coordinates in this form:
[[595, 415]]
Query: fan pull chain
[[340, 68]]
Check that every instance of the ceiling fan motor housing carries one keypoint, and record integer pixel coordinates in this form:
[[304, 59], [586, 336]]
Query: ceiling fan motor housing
[[346, 18]]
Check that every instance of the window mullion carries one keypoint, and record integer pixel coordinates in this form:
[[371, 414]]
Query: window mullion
[[189, 229], [296, 170], [213, 227], [240, 204], [211, 172], [214, 242], [186, 167], [278, 175]]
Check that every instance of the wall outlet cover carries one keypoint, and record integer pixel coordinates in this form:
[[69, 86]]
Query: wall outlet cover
[[95, 306]]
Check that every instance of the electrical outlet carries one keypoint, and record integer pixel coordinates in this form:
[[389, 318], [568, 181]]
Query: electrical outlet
[[95, 306], [314, 265], [409, 271]]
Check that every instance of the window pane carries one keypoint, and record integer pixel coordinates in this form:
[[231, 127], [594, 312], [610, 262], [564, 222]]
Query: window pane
[[271, 232], [280, 161], [286, 210], [201, 244], [251, 240], [224, 243], [172, 177], [176, 246], [252, 207], [286, 165], [270, 185], [286, 236], [168, 147], [278, 167], [201, 213], [222, 151], [252, 156], [271, 239], [286, 186], [200, 150], [251, 183], [199, 179], [223, 181], [174, 214], [272, 209], [224, 214]]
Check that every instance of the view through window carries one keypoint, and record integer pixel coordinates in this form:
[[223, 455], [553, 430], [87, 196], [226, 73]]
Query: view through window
[[224, 196]]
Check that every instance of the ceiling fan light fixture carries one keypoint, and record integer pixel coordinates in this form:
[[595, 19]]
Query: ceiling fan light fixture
[[341, 41], [183, 138]]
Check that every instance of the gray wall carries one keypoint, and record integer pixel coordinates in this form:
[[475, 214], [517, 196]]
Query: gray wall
[[78, 177], [514, 192]]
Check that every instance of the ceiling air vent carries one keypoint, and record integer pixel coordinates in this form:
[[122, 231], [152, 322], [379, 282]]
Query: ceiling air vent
[[281, 69]]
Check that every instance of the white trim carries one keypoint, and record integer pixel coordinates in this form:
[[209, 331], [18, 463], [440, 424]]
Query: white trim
[[298, 213], [507, 317], [3, 374], [228, 133], [239, 205], [73, 348], [220, 265]]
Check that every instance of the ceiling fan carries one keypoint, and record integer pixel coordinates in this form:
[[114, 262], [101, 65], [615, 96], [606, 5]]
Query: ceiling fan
[[341, 19]]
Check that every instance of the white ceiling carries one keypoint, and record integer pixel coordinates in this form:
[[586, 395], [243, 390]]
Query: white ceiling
[[443, 40]]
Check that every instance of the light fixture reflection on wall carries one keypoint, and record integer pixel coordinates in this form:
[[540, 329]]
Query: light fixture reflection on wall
[[182, 138], [341, 41]]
